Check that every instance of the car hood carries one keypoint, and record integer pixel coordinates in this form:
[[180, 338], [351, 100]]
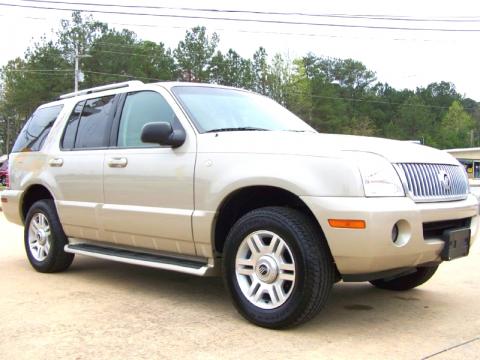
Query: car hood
[[317, 144]]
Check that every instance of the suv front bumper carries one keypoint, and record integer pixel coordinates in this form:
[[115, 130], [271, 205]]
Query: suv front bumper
[[371, 250]]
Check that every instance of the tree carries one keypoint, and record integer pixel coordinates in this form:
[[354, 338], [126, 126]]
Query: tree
[[323, 106], [260, 71], [414, 121], [279, 79], [332, 95], [120, 56], [78, 34], [362, 126], [231, 70], [193, 55], [456, 128]]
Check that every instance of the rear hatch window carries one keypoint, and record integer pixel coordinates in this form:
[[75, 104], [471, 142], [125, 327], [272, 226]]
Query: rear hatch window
[[36, 129]]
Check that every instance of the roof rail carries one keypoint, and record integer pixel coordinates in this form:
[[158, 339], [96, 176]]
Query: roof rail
[[101, 88]]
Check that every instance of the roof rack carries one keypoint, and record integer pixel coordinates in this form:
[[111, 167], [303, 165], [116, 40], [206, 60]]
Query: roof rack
[[101, 88]]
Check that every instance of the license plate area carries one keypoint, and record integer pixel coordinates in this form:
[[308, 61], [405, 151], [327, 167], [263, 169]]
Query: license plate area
[[457, 243]]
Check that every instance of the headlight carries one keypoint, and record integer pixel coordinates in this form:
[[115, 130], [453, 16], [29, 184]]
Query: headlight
[[378, 175]]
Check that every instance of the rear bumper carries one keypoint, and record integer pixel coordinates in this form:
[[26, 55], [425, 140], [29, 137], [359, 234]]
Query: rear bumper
[[371, 250], [11, 205]]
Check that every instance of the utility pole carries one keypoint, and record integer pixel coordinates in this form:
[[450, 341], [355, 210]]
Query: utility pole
[[77, 66]]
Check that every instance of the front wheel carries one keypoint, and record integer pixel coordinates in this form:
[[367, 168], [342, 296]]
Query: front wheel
[[420, 276], [45, 239], [277, 267]]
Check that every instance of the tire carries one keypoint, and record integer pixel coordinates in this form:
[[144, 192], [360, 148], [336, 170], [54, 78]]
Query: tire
[[302, 255], [406, 282], [43, 230]]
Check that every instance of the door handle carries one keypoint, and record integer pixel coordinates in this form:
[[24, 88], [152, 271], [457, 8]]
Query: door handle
[[117, 162], [56, 162]]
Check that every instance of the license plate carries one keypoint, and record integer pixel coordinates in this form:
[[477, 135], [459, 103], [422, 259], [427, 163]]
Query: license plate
[[457, 244]]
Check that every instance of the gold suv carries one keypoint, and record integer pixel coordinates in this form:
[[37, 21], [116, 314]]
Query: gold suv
[[204, 179]]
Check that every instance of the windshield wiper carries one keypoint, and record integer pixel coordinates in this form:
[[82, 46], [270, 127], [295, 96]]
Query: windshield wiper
[[244, 128], [300, 131]]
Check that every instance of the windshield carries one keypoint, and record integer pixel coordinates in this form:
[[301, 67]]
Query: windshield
[[217, 109]]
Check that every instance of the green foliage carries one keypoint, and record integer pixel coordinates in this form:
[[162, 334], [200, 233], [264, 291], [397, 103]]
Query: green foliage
[[260, 71], [456, 127], [78, 34], [414, 120], [121, 56], [332, 95], [231, 70], [194, 54]]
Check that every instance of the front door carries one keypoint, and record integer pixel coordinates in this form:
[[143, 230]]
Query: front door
[[148, 188]]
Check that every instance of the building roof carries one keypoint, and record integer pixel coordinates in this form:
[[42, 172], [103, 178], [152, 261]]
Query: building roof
[[472, 149]]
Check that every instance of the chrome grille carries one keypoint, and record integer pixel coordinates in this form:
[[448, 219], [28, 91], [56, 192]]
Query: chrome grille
[[434, 182]]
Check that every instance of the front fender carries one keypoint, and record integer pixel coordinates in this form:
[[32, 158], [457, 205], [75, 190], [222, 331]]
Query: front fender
[[218, 175]]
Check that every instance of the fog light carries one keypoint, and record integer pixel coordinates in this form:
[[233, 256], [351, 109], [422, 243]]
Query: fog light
[[401, 233]]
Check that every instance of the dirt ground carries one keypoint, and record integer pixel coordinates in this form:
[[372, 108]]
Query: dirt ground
[[105, 310]]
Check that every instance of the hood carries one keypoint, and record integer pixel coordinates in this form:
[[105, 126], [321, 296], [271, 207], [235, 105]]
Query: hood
[[317, 144]]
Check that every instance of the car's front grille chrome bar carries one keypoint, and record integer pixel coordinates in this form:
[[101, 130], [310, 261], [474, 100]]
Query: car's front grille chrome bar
[[433, 182]]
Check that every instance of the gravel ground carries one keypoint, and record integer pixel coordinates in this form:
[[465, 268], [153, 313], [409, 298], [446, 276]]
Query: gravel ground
[[106, 310]]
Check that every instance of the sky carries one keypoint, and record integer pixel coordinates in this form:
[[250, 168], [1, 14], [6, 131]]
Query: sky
[[402, 58]]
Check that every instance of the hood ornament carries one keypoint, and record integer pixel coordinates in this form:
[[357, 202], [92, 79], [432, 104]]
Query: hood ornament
[[445, 181]]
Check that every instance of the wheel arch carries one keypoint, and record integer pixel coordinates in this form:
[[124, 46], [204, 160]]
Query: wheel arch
[[245, 199], [31, 195]]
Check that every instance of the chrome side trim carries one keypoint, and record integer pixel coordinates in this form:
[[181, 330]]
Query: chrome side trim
[[201, 271]]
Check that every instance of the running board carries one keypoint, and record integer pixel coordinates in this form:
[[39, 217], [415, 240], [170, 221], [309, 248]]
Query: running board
[[141, 258]]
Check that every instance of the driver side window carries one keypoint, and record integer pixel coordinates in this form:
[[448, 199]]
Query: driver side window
[[139, 109]]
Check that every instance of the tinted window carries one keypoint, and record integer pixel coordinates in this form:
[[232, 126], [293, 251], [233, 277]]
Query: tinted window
[[71, 130], [36, 129], [94, 127], [141, 108]]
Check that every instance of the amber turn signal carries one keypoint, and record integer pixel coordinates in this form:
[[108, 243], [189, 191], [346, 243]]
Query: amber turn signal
[[347, 223]]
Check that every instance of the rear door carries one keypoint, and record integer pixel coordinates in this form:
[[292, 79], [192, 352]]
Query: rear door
[[77, 167], [149, 188]]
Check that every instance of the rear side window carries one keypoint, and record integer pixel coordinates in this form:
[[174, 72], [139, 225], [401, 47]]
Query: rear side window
[[94, 127], [36, 129], [68, 141]]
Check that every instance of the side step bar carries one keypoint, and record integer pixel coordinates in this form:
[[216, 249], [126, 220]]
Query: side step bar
[[141, 258]]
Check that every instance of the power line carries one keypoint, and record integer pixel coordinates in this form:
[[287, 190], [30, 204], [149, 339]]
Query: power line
[[277, 22], [257, 12], [50, 71], [123, 75], [35, 70], [260, 32]]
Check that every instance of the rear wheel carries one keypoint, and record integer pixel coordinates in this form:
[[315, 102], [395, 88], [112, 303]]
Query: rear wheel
[[45, 239], [277, 267], [406, 282]]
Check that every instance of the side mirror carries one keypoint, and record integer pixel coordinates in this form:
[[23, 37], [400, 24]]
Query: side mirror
[[162, 133]]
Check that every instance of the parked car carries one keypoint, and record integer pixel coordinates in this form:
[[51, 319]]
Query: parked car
[[4, 173], [205, 179]]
